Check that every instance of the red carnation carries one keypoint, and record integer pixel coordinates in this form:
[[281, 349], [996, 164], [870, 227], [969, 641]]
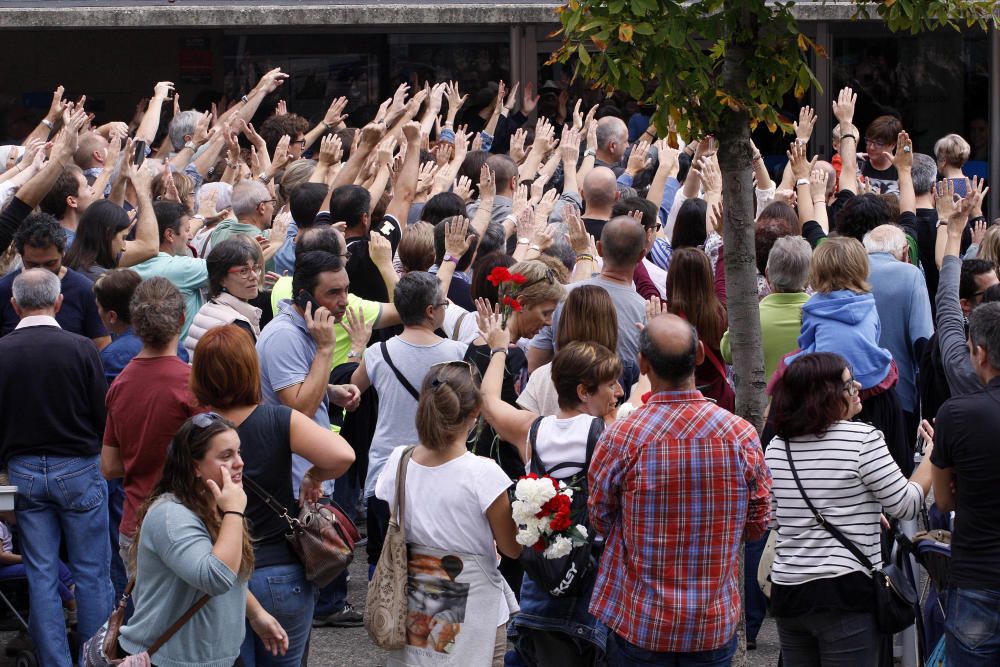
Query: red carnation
[[539, 546], [498, 275], [515, 305], [560, 521], [518, 279]]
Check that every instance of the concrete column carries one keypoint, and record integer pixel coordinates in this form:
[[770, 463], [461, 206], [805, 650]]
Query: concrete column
[[994, 166]]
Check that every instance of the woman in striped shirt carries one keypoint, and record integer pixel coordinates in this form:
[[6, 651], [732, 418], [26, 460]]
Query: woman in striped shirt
[[821, 595]]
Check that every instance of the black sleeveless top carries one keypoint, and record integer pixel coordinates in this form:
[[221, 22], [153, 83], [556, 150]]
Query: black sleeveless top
[[267, 460]]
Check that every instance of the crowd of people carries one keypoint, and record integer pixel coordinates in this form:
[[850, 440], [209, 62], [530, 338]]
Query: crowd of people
[[448, 297]]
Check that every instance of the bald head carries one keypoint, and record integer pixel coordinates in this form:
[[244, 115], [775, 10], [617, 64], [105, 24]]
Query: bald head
[[612, 138], [623, 243], [91, 150], [600, 190], [669, 350], [831, 175], [887, 238]]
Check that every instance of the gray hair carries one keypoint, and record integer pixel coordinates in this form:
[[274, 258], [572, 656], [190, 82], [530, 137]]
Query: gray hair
[[36, 289], [247, 195], [788, 264], [924, 173], [984, 330], [885, 238], [182, 125], [608, 130], [414, 292]]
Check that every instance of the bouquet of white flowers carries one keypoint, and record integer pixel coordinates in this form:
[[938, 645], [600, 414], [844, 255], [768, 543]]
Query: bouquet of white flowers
[[541, 510]]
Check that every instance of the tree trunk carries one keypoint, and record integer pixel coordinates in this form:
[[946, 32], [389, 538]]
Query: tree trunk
[[735, 161]]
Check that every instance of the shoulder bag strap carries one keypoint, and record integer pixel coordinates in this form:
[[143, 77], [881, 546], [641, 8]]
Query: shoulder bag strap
[[178, 624], [839, 536], [715, 362], [397, 514], [271, 502], [458, 326], [596, 429], [399, 376]]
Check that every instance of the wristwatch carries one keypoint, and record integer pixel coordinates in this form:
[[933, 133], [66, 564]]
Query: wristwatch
[[355, 355], [193, 146], [590, 152], [450, 258], [802, 181], [523, 240]]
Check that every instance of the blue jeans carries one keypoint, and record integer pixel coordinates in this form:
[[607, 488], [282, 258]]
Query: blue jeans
[[284, 593], [622, 653], [116, 503], [63, 495], [972, 628], [756, 603]]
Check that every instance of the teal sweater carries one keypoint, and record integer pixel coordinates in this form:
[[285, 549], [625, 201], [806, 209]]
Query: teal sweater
[[780, 324], [175, 567]]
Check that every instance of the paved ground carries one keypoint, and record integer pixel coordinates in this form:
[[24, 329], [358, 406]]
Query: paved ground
[[350, 647]]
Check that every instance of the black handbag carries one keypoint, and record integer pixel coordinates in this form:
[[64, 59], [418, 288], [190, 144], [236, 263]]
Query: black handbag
[[894, 597], [568, 575]]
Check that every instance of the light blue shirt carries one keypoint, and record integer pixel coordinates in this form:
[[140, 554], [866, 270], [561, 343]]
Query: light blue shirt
[[286, 352], [905, 312], [188, 274]]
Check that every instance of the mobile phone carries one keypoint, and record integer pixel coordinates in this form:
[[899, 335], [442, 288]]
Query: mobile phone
[[140, 153], [303, 298]]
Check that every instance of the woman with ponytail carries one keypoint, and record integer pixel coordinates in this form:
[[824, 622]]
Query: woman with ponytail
[[193, 542], [456, 517]]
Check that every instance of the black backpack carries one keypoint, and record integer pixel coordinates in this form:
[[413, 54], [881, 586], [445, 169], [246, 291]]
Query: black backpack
[[566, 576]]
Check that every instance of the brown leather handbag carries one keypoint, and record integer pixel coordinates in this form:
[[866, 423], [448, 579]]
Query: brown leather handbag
[[101, 650], [321, 536]]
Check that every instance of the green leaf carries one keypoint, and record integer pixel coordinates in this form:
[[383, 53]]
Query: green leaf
[[584, 55], [644, 29]]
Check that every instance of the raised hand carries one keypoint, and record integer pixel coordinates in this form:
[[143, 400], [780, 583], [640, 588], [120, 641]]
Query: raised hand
[[463, 188], [281, 108], [578, 237], [801, 166], [512, 97], [492, 329], [528, 99], [817, 185], [517, 152], [455, 98], [457, 239], [330, 150], [903, 159], [487, 183], [359, 330], [843, 106], [638, 159], [335, 115], [805, 124]]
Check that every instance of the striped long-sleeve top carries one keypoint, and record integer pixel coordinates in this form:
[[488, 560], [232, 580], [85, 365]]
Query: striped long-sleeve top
[[850, 478]]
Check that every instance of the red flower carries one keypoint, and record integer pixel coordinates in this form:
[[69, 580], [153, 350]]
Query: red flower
[[530, 475], [539, 546], [515, 305], [498, 275], [560, 521], [518, 279]]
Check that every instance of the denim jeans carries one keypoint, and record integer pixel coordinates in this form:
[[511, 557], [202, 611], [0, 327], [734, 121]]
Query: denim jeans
[[63, 495], [972, 628], [831, 639], [116, 503], [756, 603], [622, 653], [284, 593]]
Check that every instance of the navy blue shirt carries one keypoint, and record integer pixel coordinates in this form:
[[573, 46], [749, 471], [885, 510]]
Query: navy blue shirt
[[78, 313], [122, 349]]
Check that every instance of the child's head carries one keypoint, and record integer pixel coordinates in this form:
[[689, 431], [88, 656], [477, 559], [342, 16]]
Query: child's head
[[836, 138]]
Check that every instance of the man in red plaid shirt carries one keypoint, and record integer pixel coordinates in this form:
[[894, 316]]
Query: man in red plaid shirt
[[675, 488]]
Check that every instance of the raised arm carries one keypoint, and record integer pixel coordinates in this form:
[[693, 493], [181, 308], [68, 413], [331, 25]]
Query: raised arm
[[150, 122], [147, 235], [405, 187], [510, 423], [843, 110]]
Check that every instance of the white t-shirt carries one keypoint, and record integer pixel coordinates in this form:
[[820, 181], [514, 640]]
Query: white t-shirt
[[446, 504], [539, 394], [562, 441]]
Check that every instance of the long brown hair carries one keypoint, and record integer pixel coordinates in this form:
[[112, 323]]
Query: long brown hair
[[691, 294], [588, 314], [189, 446]]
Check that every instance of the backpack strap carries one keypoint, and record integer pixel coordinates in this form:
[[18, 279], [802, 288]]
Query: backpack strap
[[536, 463], [458, 326], [399, 376], [596, 429]]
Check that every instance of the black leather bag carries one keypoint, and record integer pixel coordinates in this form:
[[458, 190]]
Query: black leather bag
[[894, 597]]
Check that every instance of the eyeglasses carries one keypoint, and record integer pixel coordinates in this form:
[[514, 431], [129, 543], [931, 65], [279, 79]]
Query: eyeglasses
[[346, 256], [206, 419], [300, 142], [851, 386], [443, 304], [246, 272], [268, 201]]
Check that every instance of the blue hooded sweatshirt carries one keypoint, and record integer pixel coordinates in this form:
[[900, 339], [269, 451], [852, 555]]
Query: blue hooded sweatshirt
[[846, 323]]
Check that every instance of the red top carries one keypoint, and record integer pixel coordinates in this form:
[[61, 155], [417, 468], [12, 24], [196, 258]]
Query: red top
[[146, 404]]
